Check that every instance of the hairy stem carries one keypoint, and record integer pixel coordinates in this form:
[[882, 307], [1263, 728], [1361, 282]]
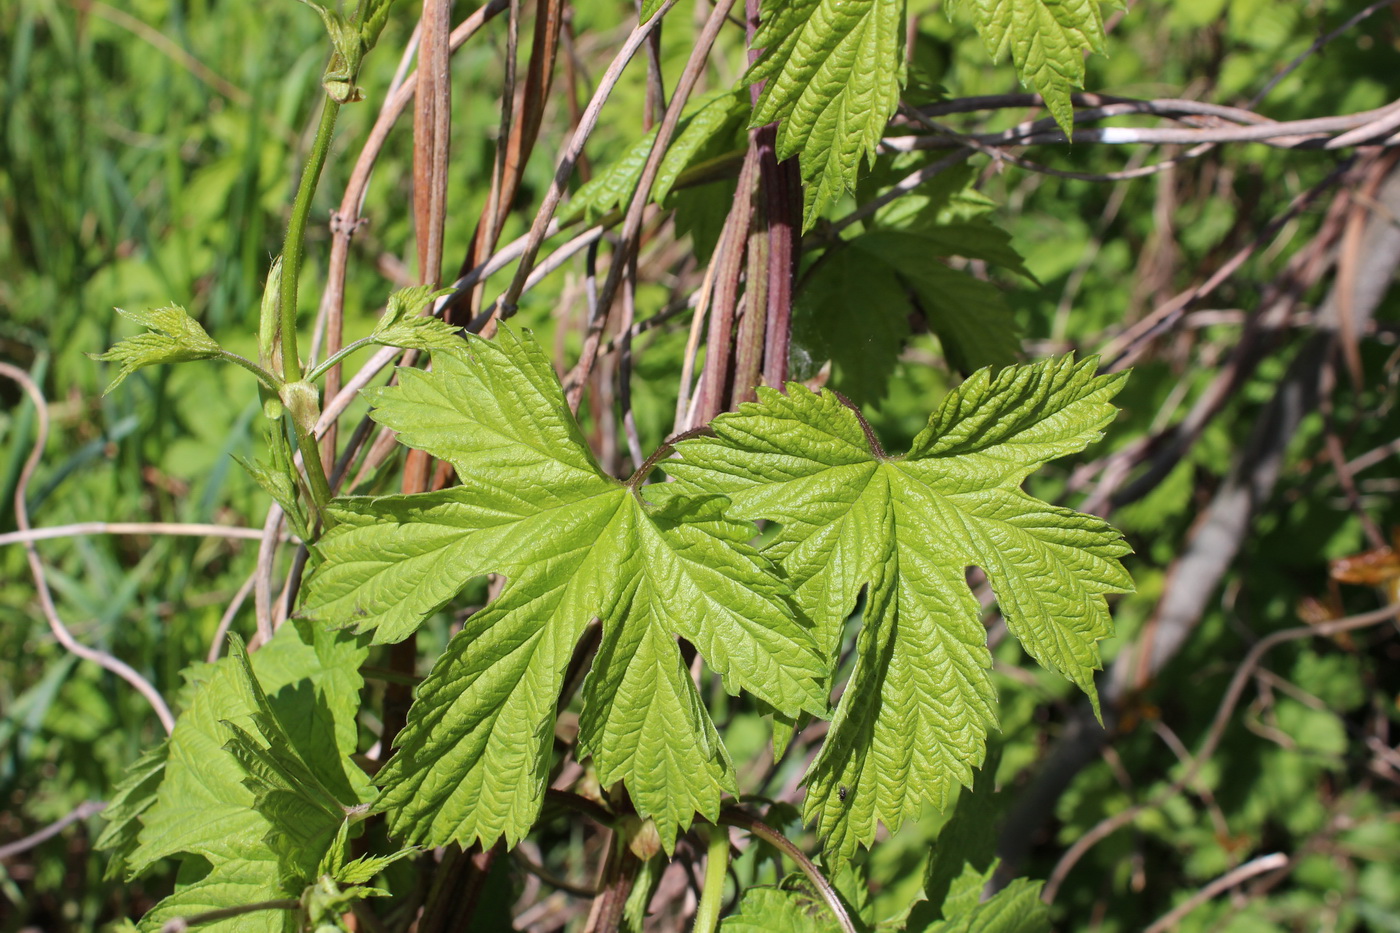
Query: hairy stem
[[716, 868]]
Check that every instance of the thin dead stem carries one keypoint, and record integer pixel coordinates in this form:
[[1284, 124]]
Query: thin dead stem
[[36, 566]]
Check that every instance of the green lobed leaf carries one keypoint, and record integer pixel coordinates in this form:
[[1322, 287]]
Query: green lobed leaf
[[173, 337], [237, 882], [833, 70], [789, 908], [576, 545], [1047, 40], [964, 854], [303, 813], [856, 307], [710, 125], [204, 813], [1017, 908], [132, 797], [913, 719]]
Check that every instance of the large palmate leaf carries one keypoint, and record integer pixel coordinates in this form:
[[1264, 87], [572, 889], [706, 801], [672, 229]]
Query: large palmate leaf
[[238, 843], [1047, 40], [576, 545], [913, 719], [833, 70]]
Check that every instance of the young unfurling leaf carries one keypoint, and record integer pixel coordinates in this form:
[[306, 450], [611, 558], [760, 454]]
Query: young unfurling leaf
[[403, 326], [173, 337]]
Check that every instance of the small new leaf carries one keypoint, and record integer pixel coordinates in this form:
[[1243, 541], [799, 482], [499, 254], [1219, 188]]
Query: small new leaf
[[833, 69], [402, 324], [1047, 40], [576, 545], [278, 477], [174, 337], [913, 719]]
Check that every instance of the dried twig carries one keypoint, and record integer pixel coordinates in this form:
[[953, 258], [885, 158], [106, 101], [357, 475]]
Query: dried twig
[[81, 812], [1232, 878], [176, 529], [36, 567]]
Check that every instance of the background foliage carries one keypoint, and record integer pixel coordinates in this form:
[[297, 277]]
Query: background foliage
[[149, 152]]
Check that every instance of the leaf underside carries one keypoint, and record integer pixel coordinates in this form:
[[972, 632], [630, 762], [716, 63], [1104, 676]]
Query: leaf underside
[[238, 839]]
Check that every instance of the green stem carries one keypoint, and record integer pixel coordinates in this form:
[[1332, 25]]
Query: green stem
[[226, 913], [716, 868], [325, 365], [316, 474], [733, 816], [266, 379], [292, 252], [667, 447], [295, 246]]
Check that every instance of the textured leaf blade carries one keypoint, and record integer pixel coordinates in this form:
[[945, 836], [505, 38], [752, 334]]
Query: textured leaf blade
[[833, 71], [913, 719], [204, 813], [1047, 40], [576, 545], [173, 337]]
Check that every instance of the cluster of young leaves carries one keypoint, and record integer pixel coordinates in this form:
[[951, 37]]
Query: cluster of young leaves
[[834, 70], [654, 561]]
